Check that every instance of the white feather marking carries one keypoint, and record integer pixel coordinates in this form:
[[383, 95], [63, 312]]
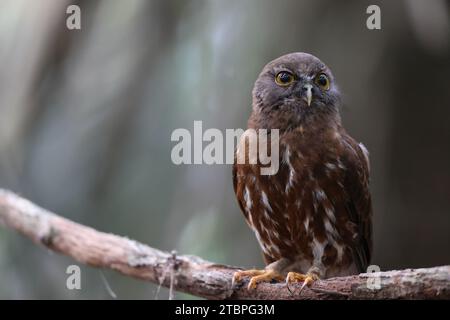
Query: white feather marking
[[317, 251], [320, 194], [315, 206], [276, 234], [341, 165], [287, 155], [330, 213], [247, 199], [263, 228], [306, 224], [364, 149], [340, 251], [330, 228], [261, 243], [265, 201], [366, 154], [250, 219], [330, 166]]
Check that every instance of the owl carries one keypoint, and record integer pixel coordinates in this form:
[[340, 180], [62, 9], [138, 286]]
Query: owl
[[312, 218]]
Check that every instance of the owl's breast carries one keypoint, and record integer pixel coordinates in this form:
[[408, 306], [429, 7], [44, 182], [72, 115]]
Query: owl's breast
[[299, 213]]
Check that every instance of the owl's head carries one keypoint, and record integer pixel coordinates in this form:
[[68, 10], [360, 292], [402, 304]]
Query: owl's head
[[294, 87]]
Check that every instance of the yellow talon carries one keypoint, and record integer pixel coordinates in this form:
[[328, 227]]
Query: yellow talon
[[307, 279], [256, 277]]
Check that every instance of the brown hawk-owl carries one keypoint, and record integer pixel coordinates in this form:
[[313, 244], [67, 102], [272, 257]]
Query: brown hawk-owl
[[312, 218]]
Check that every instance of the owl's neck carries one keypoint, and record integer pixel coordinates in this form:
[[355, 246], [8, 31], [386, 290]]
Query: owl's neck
[[286, 121]]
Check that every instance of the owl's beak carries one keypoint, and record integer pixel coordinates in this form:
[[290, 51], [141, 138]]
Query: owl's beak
[[307, 89]]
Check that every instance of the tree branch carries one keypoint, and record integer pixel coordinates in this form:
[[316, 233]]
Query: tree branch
[[194, 275]]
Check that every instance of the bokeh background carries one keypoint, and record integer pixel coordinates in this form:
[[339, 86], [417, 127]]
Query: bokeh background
[[86, 118]]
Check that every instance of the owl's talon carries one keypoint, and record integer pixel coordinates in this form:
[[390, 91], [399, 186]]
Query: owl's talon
[[238, 275], [289, 289], [256, 277], [307, 279]]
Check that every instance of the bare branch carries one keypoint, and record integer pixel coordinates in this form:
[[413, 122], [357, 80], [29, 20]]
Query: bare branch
[[194, 275]]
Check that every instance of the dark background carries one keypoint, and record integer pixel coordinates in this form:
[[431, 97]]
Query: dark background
[[86, 118]]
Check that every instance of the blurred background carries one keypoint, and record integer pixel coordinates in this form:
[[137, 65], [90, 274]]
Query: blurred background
[[86, 118]]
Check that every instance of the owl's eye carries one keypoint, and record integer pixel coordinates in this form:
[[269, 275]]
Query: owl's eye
[[284, 78], [323, 81]]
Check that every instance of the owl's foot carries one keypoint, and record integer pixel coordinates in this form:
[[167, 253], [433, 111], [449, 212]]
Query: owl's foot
[[307, 279], [257, 276]]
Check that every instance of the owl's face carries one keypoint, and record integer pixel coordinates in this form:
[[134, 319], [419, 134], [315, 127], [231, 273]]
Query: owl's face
[[296, 85]]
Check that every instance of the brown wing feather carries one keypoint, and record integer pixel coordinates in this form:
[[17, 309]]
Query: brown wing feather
[[359, 202], [239, 173], [237, 189]]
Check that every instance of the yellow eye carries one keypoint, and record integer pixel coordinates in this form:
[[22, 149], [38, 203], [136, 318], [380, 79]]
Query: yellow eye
[[284, 78], [323, 81]]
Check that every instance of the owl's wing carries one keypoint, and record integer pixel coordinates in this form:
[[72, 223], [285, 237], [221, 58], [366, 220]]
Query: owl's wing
[[235, 186], [241, 173], [238, 186], [359, 202]]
